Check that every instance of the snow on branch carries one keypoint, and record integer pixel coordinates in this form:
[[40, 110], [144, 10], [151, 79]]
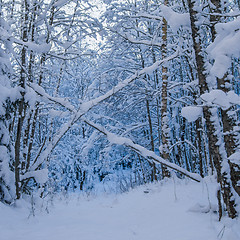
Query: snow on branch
[[174, 19], [135, 41], [41, 92], [41, 176], [229, 14], [191, 113], [147, 15], [115, 139], [215, 97], [39, 48], [86, 106], [61, 3], [221, 98], [225, 46]]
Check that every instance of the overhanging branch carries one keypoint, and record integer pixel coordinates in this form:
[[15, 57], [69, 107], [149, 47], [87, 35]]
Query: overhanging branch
[[115, 139]]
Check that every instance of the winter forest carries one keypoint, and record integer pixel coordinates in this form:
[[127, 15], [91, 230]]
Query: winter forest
[[116, 95]]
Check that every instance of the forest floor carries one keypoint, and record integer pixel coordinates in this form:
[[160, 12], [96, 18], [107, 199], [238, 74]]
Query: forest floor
[[170, 210]]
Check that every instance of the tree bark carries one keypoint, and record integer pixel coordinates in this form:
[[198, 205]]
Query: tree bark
[[21, 107], [211, 117], [229, 116], [164, 97]]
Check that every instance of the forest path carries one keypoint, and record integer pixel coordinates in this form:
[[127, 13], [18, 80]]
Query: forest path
[[161, 211]]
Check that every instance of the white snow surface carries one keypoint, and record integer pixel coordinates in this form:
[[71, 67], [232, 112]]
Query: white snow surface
[[162, 211], [220, 98], [174, 19], [225, 46], [191, 113]]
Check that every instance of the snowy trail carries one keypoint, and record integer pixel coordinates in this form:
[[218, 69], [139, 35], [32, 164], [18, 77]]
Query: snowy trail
[[146, 213]]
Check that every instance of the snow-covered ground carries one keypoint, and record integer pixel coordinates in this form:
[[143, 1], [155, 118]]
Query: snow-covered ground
[[160, 211]]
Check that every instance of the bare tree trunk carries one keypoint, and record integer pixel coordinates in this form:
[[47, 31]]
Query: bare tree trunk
[[154, 176], [153, 165], [21, 105]]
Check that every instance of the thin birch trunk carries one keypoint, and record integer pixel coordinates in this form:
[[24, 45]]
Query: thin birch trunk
[[164, 105]]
